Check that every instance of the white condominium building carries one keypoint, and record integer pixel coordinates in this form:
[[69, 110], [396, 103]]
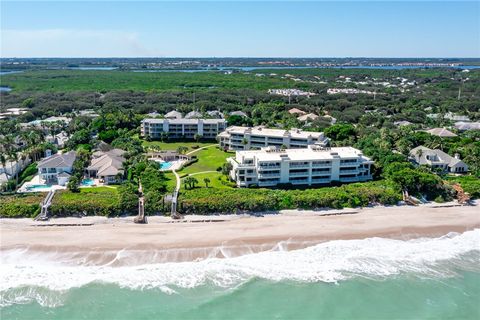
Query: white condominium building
[[246, 138], [313, 165], [182, 128]]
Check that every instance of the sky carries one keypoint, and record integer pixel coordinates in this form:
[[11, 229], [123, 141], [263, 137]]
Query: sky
[[240, 29]]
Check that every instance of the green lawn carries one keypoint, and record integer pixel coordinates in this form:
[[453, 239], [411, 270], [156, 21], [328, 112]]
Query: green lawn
[[175, 145], [216, 179], [208, 160]]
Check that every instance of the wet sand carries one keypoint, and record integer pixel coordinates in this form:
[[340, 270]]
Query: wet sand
[[97, 240]]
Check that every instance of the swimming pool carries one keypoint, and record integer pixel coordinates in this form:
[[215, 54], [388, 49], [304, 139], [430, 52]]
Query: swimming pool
[[87, 182], [38, 187], [165, 165]]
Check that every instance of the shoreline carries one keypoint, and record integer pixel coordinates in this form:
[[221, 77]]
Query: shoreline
[[99, 240]]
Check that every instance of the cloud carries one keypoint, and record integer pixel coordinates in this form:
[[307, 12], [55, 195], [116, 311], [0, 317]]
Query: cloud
[[72, 43]]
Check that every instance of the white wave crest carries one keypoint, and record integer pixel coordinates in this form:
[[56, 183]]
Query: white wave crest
[[329, 262]]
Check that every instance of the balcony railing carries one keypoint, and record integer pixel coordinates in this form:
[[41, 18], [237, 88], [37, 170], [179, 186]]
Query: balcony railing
[[321, 180], [349, 171], [294, 174], [299, 165], [266, 174], [269, 167]]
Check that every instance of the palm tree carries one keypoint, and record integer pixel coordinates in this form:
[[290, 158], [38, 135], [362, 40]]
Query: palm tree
[[3, 160], [207, 181], [194, 181], [190, 181], [13, 156], [419, 153], [182, 149]]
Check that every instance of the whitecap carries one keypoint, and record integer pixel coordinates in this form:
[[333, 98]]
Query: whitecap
[[331, 261]]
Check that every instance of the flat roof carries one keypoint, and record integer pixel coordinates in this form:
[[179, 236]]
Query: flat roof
[[310, 153], [185, 121], [262, 131]]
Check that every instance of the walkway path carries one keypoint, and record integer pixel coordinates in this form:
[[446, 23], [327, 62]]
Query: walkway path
[[212, 145], [177, 177], [201, 172], [174, 214]]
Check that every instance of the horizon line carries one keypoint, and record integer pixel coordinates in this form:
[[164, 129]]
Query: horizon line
[[244, 57]]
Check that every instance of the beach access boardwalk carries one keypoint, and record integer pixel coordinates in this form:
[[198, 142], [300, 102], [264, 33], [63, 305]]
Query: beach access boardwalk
[[140, 218], [174, 214], [47, 202]]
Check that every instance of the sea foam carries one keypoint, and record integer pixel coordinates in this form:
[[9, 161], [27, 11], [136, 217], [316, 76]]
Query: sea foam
[[331, 261]]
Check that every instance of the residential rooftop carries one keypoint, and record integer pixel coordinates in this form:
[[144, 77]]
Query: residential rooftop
[[58, 160], [441, 132], [262, 131], [184, 121], [312, 152]]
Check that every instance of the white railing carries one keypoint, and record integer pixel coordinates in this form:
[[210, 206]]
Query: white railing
[[294, 174]]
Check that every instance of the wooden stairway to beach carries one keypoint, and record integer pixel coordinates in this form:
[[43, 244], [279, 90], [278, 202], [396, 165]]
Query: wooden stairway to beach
[[44, 205], [140, 218]]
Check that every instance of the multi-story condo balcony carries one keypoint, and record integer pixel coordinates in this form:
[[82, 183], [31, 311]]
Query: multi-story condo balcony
[[182, 128], [257, 137], [308, 166]]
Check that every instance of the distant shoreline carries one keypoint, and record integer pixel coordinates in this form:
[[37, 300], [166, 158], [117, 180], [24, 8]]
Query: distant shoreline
[[99, 240]]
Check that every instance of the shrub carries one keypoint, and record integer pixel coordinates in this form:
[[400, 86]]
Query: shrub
[[211, 200], [20, 206], [28, 173], [470, 184], [101, 201], [128, 197]]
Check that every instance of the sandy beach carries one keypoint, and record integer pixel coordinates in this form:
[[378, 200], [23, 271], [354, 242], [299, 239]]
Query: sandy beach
[[118, 241]]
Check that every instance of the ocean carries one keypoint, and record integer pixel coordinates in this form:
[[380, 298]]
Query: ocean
[[375, 278]]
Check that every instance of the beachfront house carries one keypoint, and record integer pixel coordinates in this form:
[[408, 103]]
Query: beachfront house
[[246, 138], [57, 169], [437, 159], [269, 166], [107, 166]]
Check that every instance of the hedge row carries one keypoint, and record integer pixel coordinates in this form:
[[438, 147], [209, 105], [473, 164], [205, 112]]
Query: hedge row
[[99, 201], [210, 200], [20, 205]]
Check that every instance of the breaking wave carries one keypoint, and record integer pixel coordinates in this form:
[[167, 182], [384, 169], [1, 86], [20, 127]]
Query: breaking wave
[[26, 277]]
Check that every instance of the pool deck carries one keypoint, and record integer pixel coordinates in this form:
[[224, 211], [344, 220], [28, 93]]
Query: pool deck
[[36, 181], [176, 164]]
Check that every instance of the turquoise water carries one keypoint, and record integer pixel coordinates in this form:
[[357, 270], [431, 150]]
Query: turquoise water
[[39, 187], [87, 182], [374, 278], [165, 165], [403, 297]]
